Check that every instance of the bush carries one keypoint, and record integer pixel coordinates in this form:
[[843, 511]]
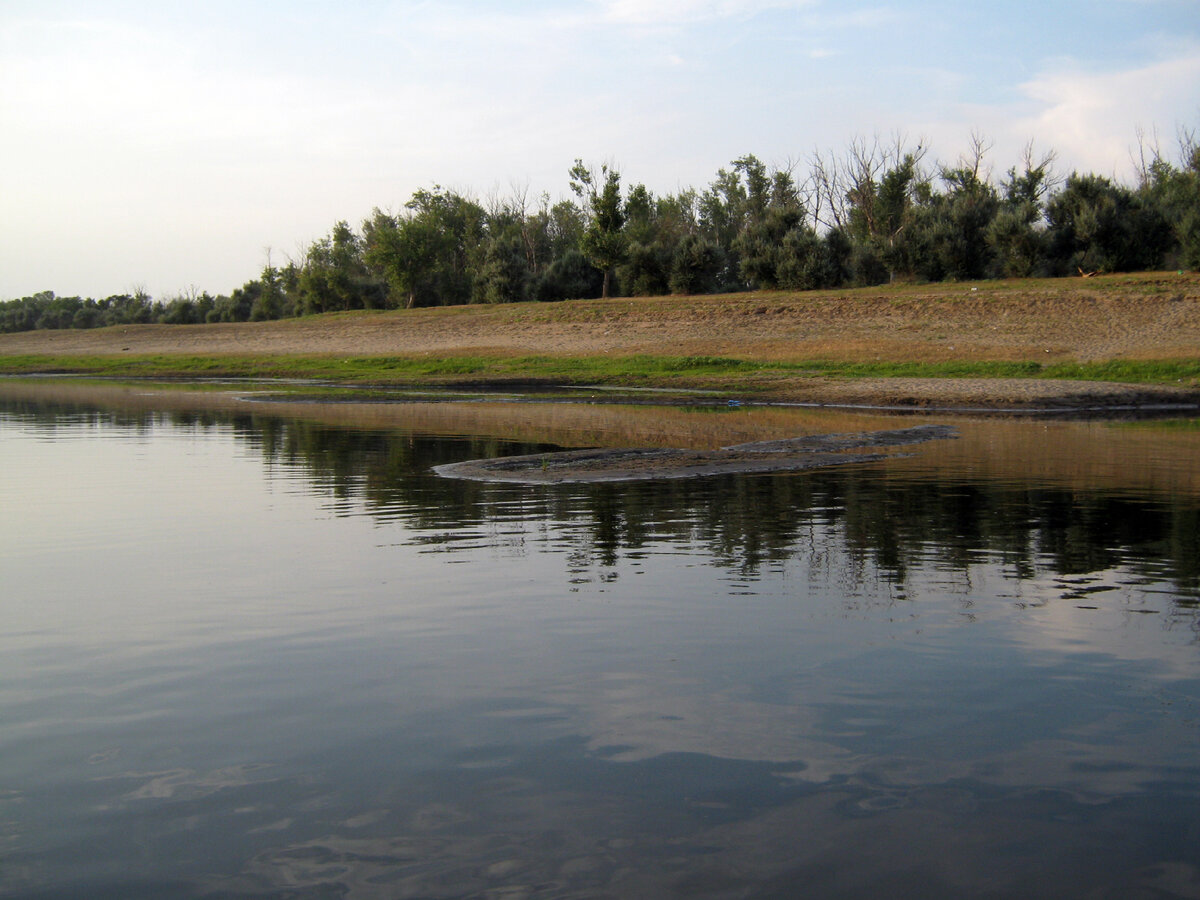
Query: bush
[[1096, 225], [570, 277], [696, 267]]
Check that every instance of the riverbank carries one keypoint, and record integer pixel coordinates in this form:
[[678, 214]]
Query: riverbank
[[1127, 340]]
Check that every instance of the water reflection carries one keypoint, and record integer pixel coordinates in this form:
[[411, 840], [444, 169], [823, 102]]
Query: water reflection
[[289, 661], [1030, 525], [747, 523]]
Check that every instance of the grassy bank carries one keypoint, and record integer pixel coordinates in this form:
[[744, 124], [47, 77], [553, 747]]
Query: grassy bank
[[638, 370], [1141, 329]]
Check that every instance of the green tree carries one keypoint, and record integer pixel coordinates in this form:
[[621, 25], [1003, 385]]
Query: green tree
[[570, 277], [948, 235], [559, 229], [427, 254], [884, 188], [87, 316], [125, 309], [776, 246], [745, 213], [696, 266], [722, 209], [655, 226], [1097, 225], [804, 262], [604, 242], [57, 312], [236, 307], [1174, 192], [405, 251], [334, 275], [504, 275], [1017, 233], [269, 304]]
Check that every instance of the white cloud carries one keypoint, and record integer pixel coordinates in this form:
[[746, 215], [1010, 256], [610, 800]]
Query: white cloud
[[1090, 118], [682, 12], [872, 17]]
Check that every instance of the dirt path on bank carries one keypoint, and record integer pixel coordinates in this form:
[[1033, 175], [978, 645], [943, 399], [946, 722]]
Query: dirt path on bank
[[1145, 316]]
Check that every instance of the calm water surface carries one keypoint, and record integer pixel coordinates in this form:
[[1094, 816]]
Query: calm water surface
[[249, 655]]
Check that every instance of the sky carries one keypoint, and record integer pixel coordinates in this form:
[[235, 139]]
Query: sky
[[178, 146]]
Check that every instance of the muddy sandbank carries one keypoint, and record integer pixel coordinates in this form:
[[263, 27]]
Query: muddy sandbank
[[643, 464]]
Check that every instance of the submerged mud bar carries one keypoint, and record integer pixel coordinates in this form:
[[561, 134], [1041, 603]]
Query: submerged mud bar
[[791, 454]]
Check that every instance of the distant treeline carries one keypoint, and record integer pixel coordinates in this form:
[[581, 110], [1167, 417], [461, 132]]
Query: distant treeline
[[878, 213]]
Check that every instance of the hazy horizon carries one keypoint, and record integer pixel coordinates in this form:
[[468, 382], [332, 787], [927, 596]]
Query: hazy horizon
[[168, 147]]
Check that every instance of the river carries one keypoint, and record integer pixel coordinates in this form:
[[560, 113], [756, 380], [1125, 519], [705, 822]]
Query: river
[[255, 649]]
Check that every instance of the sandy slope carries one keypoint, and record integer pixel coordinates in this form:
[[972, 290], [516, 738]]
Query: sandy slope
[[1147, 316]]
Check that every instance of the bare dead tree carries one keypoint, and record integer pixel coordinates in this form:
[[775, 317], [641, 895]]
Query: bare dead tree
[[520, 197], [823, 190], [902, 149], [1045, 164], [829, 189], [863, 165], [1189, 146], [520, 209], [495, 205], [1148, 152], [973, 159]]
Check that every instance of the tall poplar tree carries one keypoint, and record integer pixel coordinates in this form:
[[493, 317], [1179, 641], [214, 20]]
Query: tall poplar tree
[[604, 242]]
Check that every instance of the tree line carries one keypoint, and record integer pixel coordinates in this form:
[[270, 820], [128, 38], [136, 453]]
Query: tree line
[[879, 212]]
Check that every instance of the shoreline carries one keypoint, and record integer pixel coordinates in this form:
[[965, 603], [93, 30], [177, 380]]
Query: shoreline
[[999, 395], [1065, 446], [1019, 397], [1053, 346]]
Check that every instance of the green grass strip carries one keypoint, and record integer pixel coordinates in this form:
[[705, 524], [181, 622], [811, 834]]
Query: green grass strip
[[670, 371], [1136, 371]]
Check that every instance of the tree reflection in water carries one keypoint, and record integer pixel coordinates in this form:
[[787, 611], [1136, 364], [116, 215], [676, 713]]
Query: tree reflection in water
[[746, 522]]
